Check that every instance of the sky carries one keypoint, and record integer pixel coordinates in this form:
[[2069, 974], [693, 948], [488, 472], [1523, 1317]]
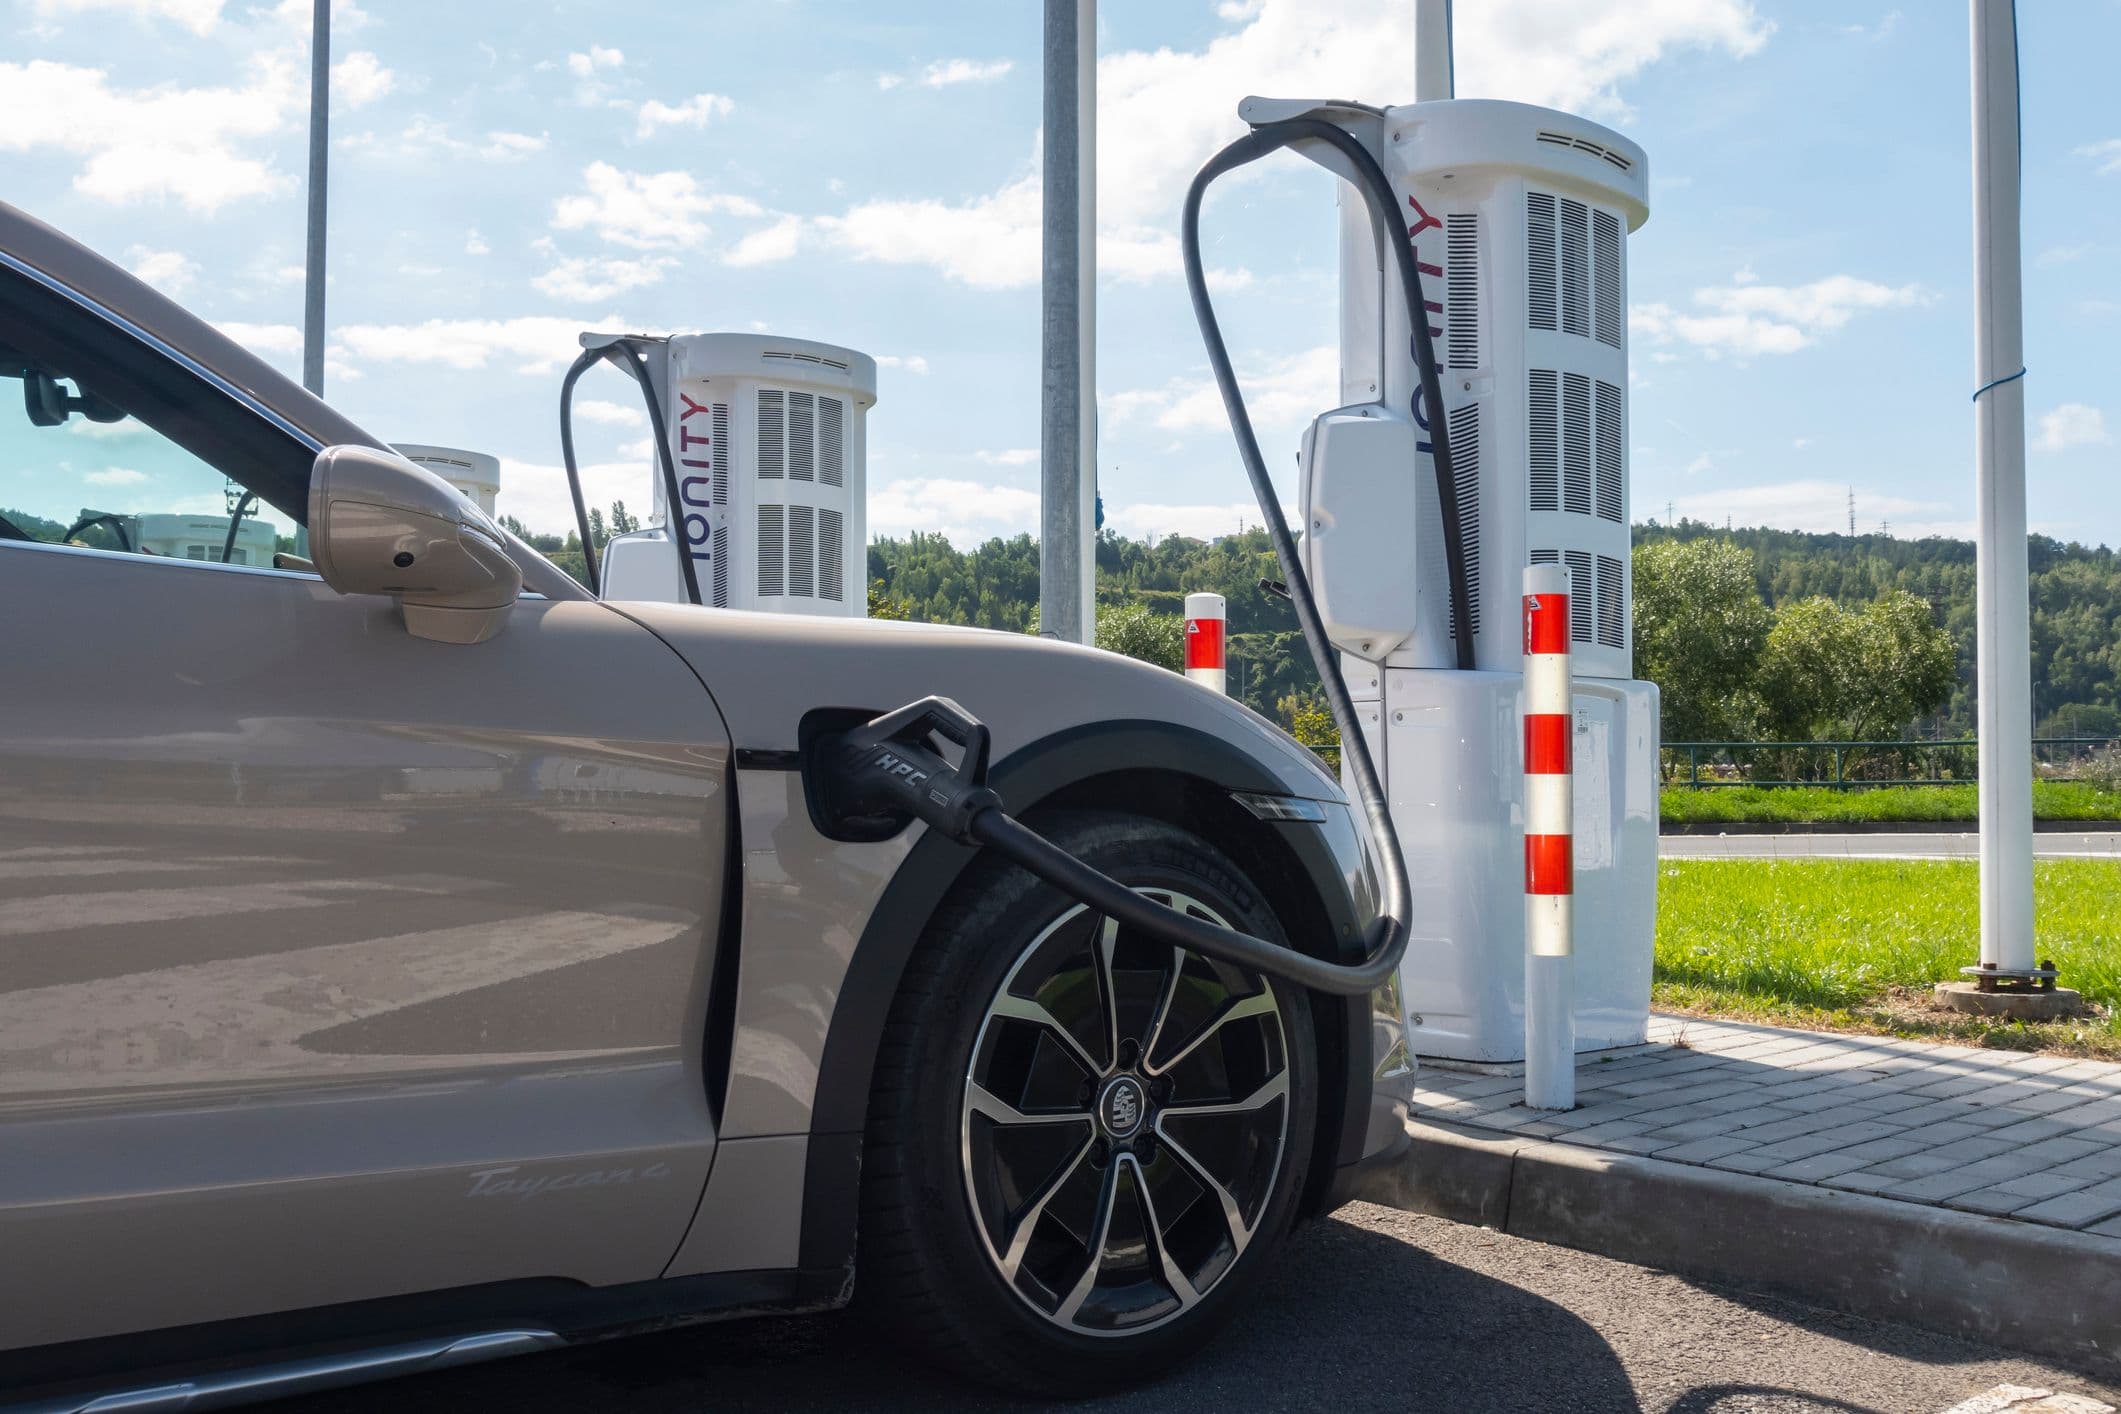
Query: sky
[[504, 176]]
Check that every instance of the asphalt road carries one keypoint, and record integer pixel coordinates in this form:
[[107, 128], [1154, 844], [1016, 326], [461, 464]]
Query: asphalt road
[[2096, 845], [1374, 1309]]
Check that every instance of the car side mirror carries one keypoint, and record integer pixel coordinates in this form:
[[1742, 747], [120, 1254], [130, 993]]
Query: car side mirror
[[380, 525]]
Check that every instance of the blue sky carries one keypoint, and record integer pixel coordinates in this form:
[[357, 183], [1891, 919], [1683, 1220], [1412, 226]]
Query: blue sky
[[505, 175]]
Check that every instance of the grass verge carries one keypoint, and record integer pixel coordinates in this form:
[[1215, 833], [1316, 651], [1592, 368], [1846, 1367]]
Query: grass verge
[[2052, 800], [1853, 945]]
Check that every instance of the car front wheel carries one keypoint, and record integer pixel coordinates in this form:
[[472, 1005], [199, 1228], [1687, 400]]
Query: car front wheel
[[1084, 1143]]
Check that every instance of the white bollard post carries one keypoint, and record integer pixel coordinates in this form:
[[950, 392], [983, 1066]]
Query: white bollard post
[[1205, 661], [1549, 825]]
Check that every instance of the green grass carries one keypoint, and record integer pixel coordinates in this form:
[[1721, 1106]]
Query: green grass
[[2052, 800], [1855, 944]]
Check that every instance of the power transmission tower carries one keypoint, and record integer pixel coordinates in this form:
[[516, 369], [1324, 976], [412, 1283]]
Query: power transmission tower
[[1852, 513]]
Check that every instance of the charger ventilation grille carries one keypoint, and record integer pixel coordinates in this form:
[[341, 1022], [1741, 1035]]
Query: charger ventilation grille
[[830, 558], [832, 441], [1576, 443], [1573, 264], [1585, 145], [1545, 469], [1597, 595], [1605, 251], [1539, 259], [1462, 289], [802, 551], [718, 458], [721, 567], [1464, 423], [1612, 484], [771, 550], [802, 439], [773, 434]]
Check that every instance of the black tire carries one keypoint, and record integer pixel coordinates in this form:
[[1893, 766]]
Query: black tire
[[930, 1262]]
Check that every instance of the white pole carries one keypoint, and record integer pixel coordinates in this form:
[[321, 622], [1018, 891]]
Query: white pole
[[319, 159], [1068, 438], [1205, 640], [2003, 681], [1433, 73], [1549, 828]]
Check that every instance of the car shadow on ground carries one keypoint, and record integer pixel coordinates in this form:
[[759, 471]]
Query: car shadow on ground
[[1346, 1319]]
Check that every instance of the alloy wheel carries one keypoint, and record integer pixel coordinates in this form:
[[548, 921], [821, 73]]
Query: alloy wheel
[[1123, 1121]]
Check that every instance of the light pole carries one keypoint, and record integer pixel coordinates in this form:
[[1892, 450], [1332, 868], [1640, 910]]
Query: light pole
[[2006, 982], [1067, 564], [319, 158]]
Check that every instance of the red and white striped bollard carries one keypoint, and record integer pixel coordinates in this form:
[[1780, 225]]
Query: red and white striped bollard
[[1205, 662], [1549, 825]]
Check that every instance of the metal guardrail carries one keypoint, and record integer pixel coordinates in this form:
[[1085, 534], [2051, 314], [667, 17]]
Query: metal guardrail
[[1854, 765]]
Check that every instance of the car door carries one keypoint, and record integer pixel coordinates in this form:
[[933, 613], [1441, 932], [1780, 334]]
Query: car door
[[334, 963]]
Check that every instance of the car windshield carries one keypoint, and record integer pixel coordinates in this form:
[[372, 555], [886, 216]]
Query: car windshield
[[76, 469]]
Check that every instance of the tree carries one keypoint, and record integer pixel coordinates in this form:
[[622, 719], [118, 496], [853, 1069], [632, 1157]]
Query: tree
[[622, 523], [1827, 672], [1139, 632], [1804, 670], [883, 606], [1904, 667], [1311, 722], [597, 534], [1699, 629]]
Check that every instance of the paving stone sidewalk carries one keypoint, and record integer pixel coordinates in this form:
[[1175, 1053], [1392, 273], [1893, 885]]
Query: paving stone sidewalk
[[2029, 1137]]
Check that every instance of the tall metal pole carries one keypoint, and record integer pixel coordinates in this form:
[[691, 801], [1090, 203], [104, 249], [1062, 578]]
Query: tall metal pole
[[319, 153], [1067, 563], [1434, 74], [2004, 670]]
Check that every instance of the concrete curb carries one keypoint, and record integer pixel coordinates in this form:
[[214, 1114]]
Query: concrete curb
[[2038, 1289], [1872, 827]]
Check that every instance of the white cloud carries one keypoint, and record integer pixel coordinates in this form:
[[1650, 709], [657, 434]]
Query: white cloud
[[768, 244], [612, 414], [1821, 507], [599, 277], [1749, 319], [1162, 112], [1888, 24], [2106, 152], [264, 338], [360, 78], [1286, 394], [1012, 456], [911, 363], [967, 512], [2071, 425], [944, 72], [475, 244], [1201, 522], [535, 493], [596, 61], [887, 82], [531, 343], [695, 112], [990, 242], [115, 476], [507, 146], [169, 271], [160, 142], [645, 210], [198, 16]]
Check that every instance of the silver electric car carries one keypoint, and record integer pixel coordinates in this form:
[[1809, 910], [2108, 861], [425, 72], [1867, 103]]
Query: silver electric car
[[407, 958]]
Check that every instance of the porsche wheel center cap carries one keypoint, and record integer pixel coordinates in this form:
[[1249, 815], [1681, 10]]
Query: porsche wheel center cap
[[1122, 1107]]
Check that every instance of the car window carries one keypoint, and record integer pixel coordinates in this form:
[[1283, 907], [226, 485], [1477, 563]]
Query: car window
[[108, 444]]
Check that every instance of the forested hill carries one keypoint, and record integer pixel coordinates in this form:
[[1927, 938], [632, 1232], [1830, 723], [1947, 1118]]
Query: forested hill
[[2076, 607], [2076, 601]]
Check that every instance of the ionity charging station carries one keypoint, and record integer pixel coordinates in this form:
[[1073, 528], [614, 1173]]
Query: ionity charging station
[[1519, 218]]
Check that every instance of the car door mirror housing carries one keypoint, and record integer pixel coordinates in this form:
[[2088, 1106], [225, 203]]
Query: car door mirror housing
[[380, 525]]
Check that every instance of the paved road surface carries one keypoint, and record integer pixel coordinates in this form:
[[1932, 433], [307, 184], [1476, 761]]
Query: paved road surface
[[1374, 1309], [2101, 845]]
